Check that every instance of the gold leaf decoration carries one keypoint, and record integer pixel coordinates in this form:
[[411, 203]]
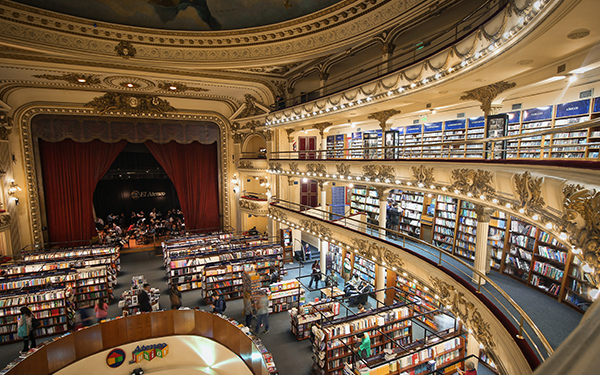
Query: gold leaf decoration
[[486, 94], [382, 172], [294, 167], [275, 166], [5, 120], [476, 182], [343, 169], [178, 87], [277, 213], [423, 175], [321, 127], [73, 78], [383, 116], [246, 164], [316, 227], [4, 133], [136, 104], [250, 107], [377, 253], [251, 206], [529, 191], [316, 168], [237, 138], [125, 49]]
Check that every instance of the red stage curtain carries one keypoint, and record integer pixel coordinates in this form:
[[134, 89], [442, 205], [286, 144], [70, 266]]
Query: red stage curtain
[[71, 171], [193, 168]]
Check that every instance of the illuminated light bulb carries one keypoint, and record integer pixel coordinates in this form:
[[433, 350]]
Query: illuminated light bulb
[[535, 217], [404, 274], [563, 236], [393, 268], [508, 205], [537, 5], [308, 115], [495, 201], [548, 225], [400, 89], [305, 180], [398, 182], [359, 101], [342, 106], [369, 99], [409, 183], [450, 69], [456, 191], [351, 104], [482, 197], [444, 188], [387, 181], [594, 294], [356, 251], [433, 111], [425, 80], [334, 176], [376, 180], [521, 210], [357, 178], [81, 80], [421, 185], [341, 177], [351, 186], [437, 76], [425, 288], [349, 177], [463, 63], [469, 195], [334, 108], [390, 93], [576, 250], [413, 85], [321, 112], [436, 297], [587, 268], [506, 35]]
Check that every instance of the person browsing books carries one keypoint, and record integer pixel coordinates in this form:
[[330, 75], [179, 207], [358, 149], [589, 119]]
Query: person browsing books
[[470, 366], [364, 347]]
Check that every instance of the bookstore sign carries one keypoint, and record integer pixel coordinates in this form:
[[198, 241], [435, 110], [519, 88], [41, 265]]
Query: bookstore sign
[[136, 194]]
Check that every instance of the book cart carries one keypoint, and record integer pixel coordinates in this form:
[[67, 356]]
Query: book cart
[[311, 314]]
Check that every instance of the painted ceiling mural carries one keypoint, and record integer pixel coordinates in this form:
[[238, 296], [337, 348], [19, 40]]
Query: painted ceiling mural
[[190, 15]]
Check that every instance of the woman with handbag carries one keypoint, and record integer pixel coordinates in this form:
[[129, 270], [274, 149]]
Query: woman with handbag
[[26, 329]]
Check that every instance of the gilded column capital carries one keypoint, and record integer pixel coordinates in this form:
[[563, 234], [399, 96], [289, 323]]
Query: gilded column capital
[[321, 127], [486, 94], [383, 116]]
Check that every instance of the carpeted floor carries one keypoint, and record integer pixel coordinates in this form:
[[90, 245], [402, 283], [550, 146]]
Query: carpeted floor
[[293, 357]]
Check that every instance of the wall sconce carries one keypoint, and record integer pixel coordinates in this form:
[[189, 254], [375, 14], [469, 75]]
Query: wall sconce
[[13, 187], [236, 184]]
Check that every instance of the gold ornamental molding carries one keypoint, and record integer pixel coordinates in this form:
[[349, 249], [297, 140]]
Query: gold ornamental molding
[[343, 169], [274, 166], [125, 49], [178, 87], [582, 223], [423, 175], [529, 191], [460, 306], [377, 253], [251, 107], [4, 133], [379, 172], [294, 167], [267, 134], [381, 192], [383, 116], [5, 221], [321, 126], [246, 164], [316, 228], [276, 213], [289, 134], [24, 117], [317, 168], [251, 206], [477, 182], [237, 138], [484, 214], [133, 104], [486, 94], [5, 120], [73, 78]]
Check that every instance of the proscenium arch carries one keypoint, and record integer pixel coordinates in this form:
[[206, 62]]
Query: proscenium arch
[[31, 168]]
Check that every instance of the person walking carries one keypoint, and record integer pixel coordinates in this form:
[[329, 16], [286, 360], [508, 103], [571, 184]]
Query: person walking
[[175, 298], [219, 305], [26, 329], [247, 308], [144, 299], [262, 313], [315, 275], [101, 309]]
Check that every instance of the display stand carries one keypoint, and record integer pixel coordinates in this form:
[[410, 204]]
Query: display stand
[[310, 314], [129, 299], [286, 295]]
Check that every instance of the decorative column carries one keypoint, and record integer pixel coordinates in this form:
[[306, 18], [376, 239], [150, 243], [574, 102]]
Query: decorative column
[[382, 117], [323, 142], [290, 140], [322, 186], [323, 76], [481, 237], [387, 51], [380, 282], [382, 193], [472, 349], [323, 260], [296, 240]]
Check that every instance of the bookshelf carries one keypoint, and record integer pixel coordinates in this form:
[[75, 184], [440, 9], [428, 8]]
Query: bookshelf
[[286, 295], [465, 243], [521, 242], [305, 317], [49, 306], [412, 291], [432, 133], [497, 238], [444, 226], [413, 141], [454, 130], [372, 139], [286, 243], [92, 284], [336, 254], [548, 265], [393, 138], [356, 141], [593, 149], [475, 130], [487, 361], [332, 340], [365, 270], [412, 209], [330, 147], [578, 285], [365, 200]]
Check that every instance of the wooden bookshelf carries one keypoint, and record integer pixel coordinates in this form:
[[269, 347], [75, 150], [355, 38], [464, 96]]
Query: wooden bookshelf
[[287, 244], [521, 245], [365, 200], [577, 286], [466, 231], [432, 133], [411, 203], [548, 264], [444, 228], [497, 238], [286, 295], [305, 317], [365, 269]]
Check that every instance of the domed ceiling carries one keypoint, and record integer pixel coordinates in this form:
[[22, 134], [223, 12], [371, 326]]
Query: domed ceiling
[[186, 15]]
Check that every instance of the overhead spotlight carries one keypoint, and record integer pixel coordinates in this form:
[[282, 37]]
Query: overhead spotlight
[[572, 78]]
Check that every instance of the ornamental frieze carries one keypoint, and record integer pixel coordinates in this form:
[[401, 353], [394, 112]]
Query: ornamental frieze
[[276, 213], [377, 253], [5, 120], [248, 205], [529, 191], [376, 171], [315, 227], [5, 220], [477, 182], [582, 222], [75, 79], [133, 104], [178, 87], [343, 169], [294, 167], [246, 164], [423, 175], [275, 166], [4, 133], [316, 168]]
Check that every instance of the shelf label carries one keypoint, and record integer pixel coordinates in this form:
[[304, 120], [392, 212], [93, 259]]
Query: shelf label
[[455, 124], [476, 122], [433, 127], [414, 129], [514, 117], [536, 114], [597, 105], [579, 107]]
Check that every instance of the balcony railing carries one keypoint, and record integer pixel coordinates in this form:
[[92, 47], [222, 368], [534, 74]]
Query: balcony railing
[[549, 144], [527, 328]]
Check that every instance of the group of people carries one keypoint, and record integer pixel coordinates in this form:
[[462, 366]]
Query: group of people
[[117, 228]]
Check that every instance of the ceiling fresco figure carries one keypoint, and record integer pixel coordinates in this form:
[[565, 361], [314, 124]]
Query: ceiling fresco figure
[[167, 10]]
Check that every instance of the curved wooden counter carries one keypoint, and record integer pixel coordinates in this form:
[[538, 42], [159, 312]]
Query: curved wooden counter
[[109, 334]]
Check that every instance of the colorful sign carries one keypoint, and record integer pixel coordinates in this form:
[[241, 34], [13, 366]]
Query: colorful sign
[[578, 108], [149, 352], [537, 114], [115, 358]]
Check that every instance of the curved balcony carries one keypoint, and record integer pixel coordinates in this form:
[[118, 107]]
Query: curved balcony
[[499, 324], [71, 352], [254, 203]]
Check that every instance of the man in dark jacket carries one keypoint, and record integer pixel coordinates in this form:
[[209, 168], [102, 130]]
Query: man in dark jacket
[[144, 299], [393, 219], [219, 304]]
